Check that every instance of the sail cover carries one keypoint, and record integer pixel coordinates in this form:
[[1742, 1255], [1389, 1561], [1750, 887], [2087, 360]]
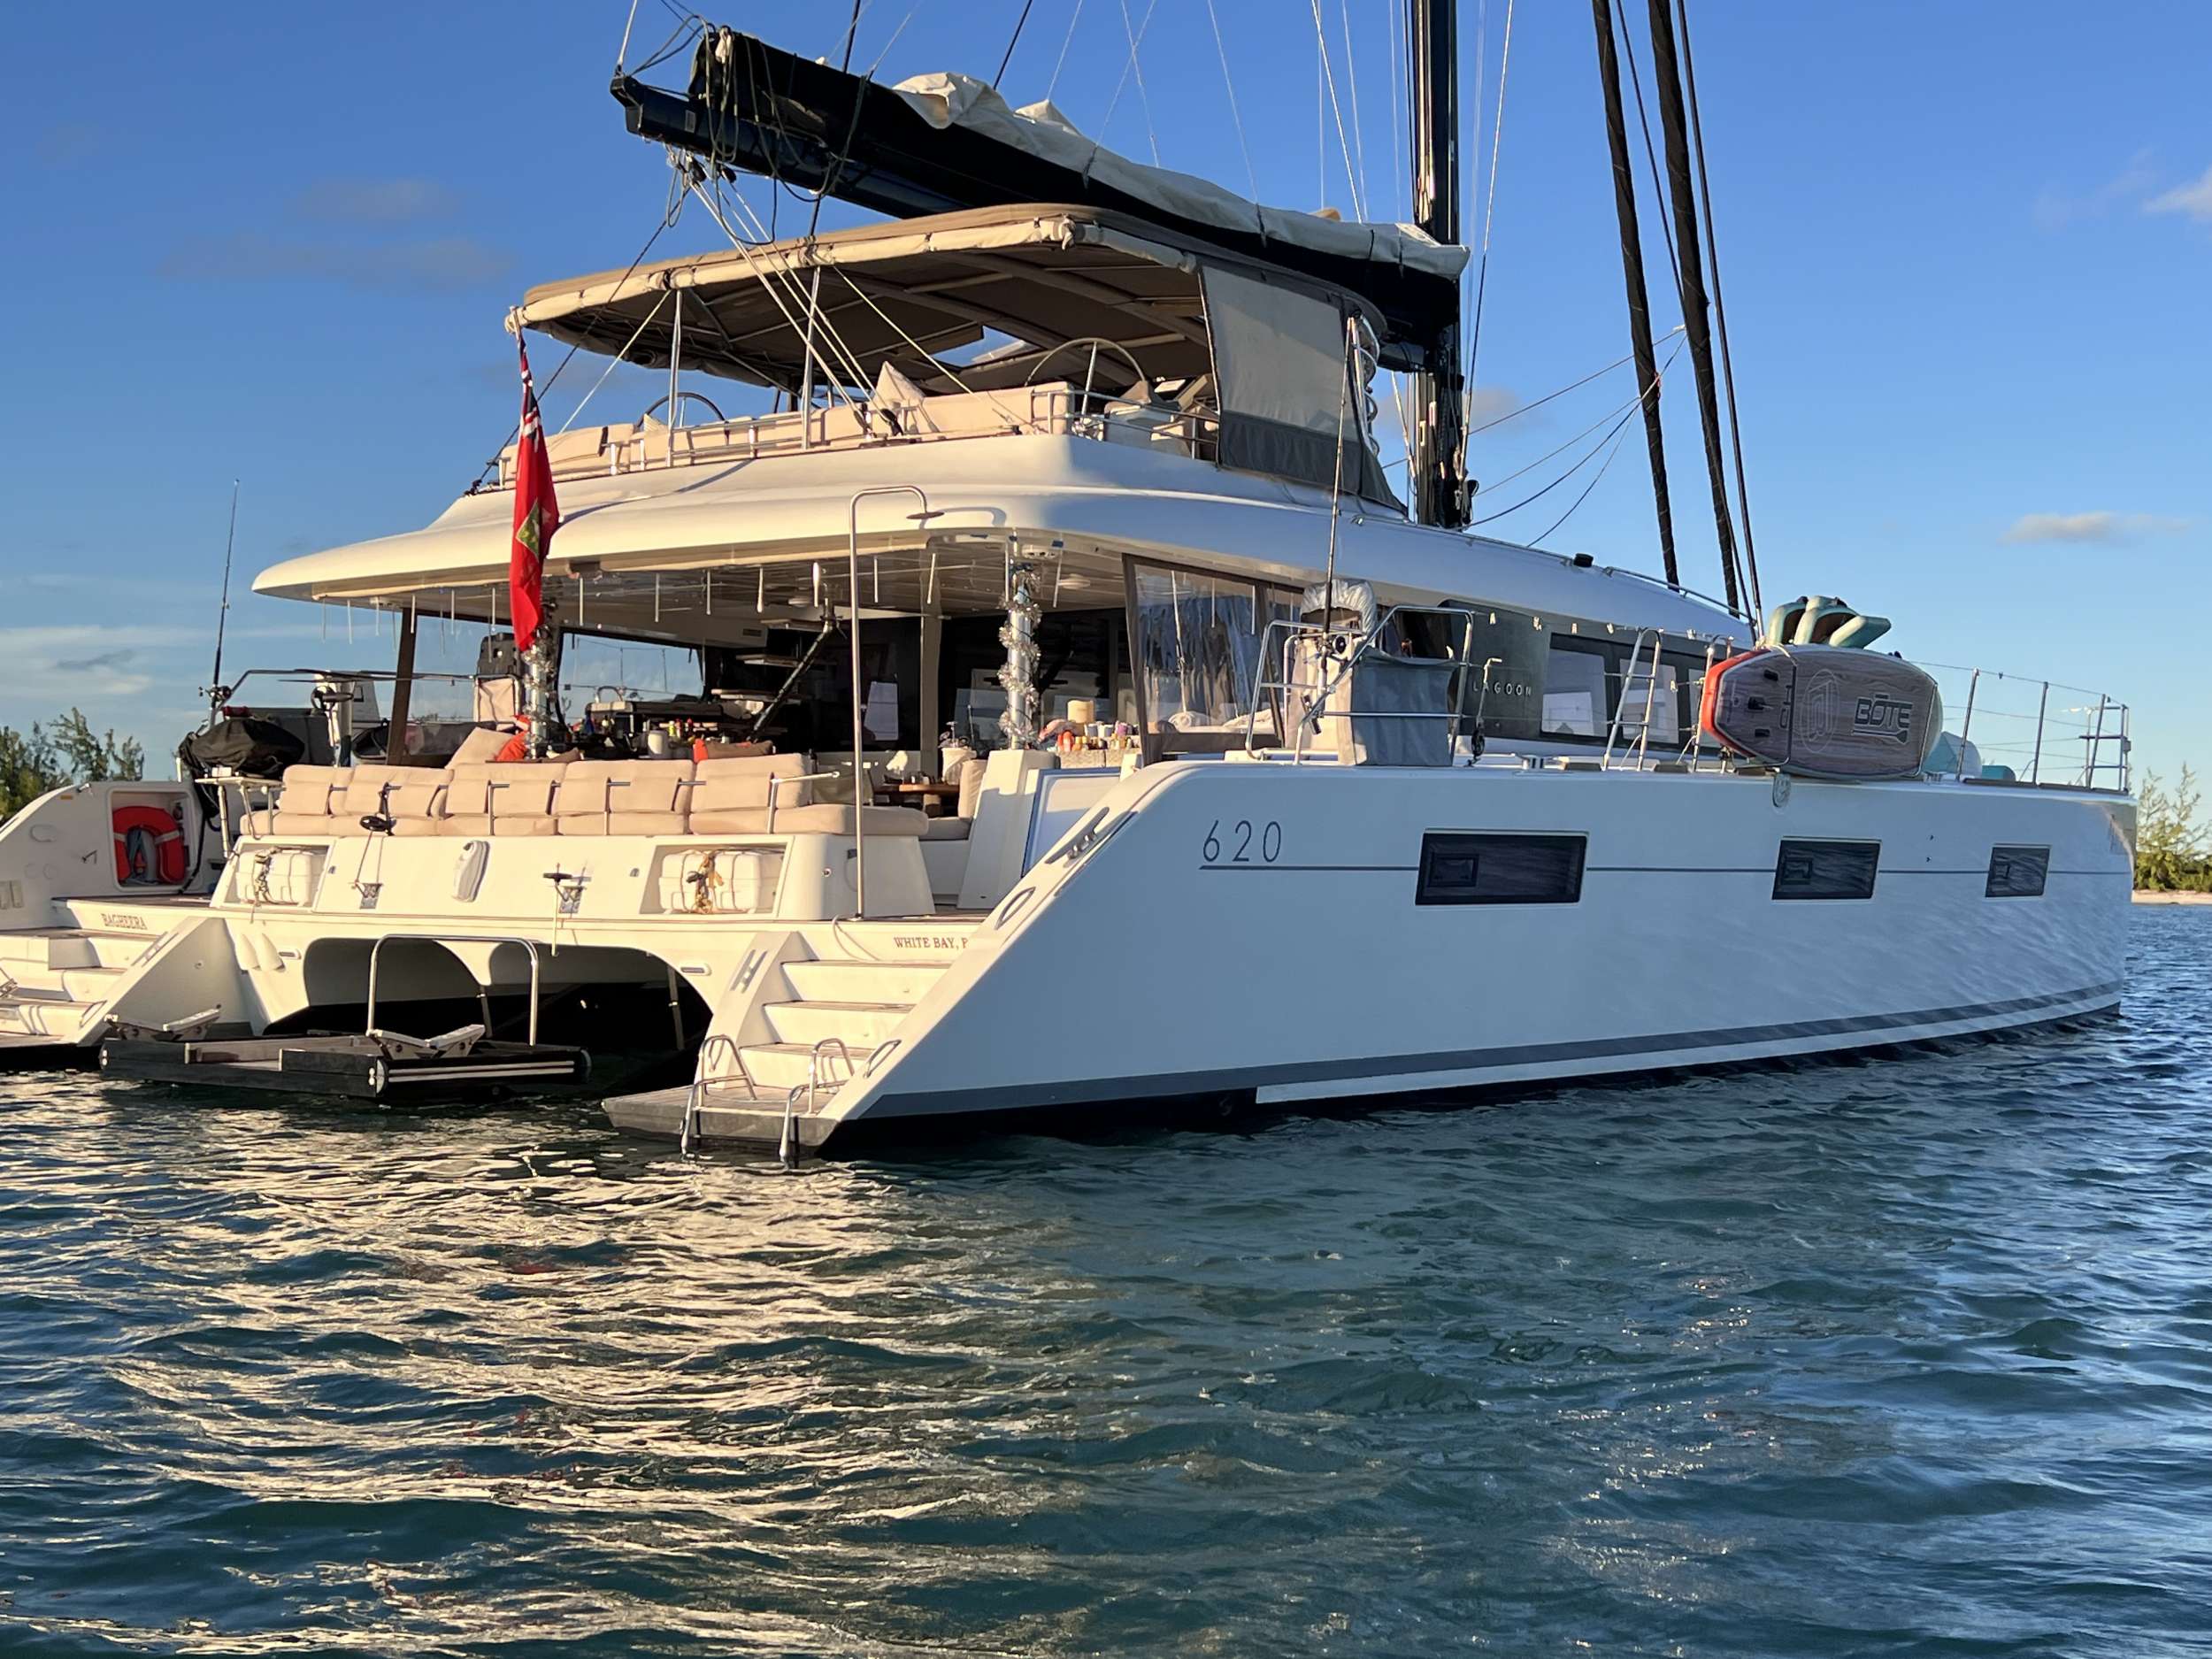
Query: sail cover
[[948, 144]]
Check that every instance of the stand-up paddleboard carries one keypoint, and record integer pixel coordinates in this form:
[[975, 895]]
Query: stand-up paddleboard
[[1824, 710]]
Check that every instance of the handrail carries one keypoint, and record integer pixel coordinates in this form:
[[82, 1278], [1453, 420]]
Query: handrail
[[1365, 649], [814, 1065], [852, 648], [529, 945], [1651, 692], [2098, 719], [695, 1096]]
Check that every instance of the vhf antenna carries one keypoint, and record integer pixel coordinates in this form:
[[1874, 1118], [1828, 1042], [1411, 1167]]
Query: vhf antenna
[[217, 691]]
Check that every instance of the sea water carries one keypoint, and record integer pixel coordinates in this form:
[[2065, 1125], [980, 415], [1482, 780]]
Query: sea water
[[1905, 1356]]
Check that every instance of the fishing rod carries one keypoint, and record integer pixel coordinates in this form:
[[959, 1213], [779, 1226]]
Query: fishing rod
[[217, 691]]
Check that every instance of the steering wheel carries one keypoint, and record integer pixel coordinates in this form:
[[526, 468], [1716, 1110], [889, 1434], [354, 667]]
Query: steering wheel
[[1097, 344], [661, 403]]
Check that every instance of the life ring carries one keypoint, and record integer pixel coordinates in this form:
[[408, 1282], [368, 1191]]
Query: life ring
[[156, 857]]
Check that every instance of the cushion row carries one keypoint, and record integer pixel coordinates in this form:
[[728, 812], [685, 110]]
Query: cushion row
[[584, 797]]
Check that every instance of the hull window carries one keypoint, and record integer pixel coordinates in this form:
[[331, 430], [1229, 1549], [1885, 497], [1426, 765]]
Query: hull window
[[1458, 868], [2017, 873], [1826, 870]]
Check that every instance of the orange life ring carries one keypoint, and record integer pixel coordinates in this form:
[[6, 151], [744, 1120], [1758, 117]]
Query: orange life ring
[[163, 865]]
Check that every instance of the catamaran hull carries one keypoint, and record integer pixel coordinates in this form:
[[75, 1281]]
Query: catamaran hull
[[1271, 931]]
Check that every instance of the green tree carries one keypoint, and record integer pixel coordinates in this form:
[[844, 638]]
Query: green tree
[[72, 753], [29, 768], [97, 757], [2169, 844]]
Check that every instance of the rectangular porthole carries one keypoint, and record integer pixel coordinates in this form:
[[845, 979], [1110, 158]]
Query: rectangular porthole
[[1826, 870], [2017, 873], [1464, 868]]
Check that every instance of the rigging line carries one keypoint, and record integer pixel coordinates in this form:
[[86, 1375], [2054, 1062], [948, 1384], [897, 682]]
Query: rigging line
[[767, 280], [1135, 41], [687, 24], [1551, 454], [1619, 426], [927, 356], [618, 358], [1635, 403], [1620, 432], [1720, 314], [1066, 41], [1696, 309], [1651, 157], [1471, 148], [1489, 211], [1397, 70], [1018, 24], [668, 218], [1328, 81], [1222, 52], [1144, 101], [808, 296], [894, 41], [1351, 82], [1515, 414], [852, 127]]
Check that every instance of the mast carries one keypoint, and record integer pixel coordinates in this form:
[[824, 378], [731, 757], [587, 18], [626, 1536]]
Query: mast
[[1437, 469], [1695, 320], [1633, 270]]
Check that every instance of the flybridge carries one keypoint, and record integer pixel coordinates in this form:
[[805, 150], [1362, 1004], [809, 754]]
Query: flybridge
[[949, 143]]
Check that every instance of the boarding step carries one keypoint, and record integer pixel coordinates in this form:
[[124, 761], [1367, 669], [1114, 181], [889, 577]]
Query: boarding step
[[728, 1116], [40, 948], [777, 1067], [861, 1026], [844, 980], [69, 985], [48, 1018]]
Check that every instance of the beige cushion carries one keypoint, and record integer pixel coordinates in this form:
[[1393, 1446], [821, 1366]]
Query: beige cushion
[[826, 818], [740, 784], [623, 797], [307, 790], [506, 798], [293, 824], [970, 778], [480, 746], [369, 788], [943, 829]]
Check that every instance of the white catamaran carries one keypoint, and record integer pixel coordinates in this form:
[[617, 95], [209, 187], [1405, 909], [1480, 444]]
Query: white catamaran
[[1082, 725]]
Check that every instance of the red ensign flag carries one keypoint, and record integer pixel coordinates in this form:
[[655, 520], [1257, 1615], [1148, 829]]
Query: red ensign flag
[[537, 515]]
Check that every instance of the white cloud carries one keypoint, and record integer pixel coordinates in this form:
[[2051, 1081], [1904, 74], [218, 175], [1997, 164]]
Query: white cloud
[[445, 264], [376, 201], [2193, 200], [2056, 209], [2105, 527]]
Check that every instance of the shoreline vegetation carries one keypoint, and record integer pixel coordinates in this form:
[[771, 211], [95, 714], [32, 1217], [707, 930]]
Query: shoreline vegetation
[[2172, 864], [72, 752]]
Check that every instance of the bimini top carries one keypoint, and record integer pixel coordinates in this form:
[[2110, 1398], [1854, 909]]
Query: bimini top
[[1070, 294], [915, 293], [911, 293]]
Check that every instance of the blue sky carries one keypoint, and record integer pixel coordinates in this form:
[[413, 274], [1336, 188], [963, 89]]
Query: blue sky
[[1966, 250]]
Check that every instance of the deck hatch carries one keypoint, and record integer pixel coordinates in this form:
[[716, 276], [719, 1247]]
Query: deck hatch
[[1826, 870], [1460, 867]]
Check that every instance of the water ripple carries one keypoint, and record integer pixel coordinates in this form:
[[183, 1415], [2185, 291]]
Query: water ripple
[[1903, 1356]]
